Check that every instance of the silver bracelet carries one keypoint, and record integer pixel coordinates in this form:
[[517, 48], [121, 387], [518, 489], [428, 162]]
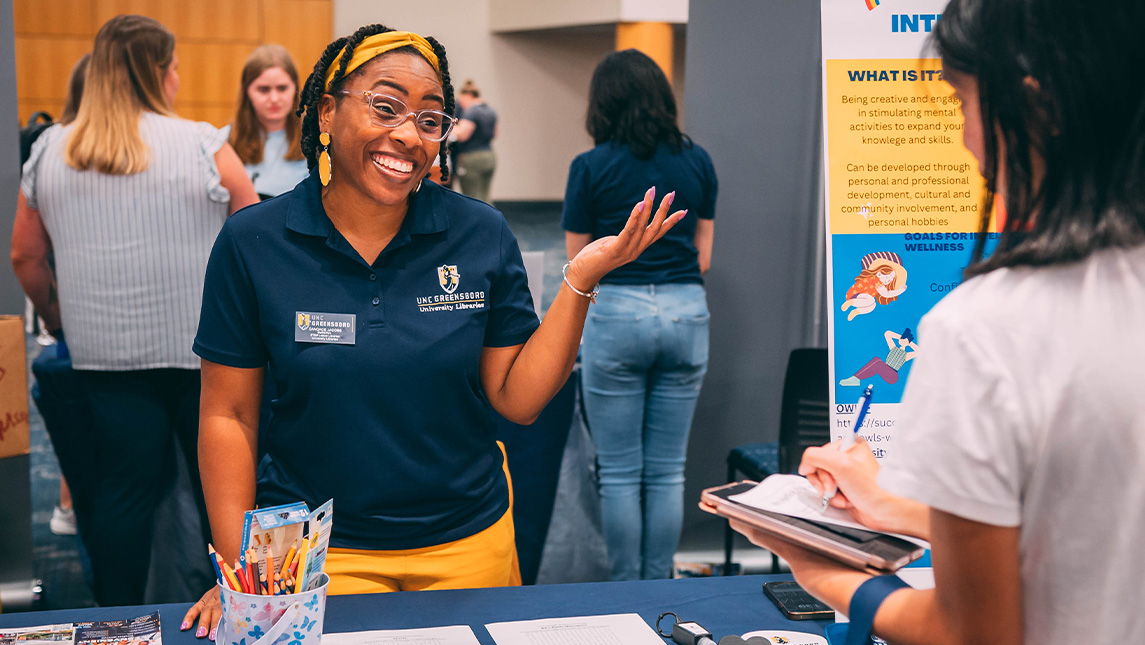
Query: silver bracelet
[[591, 295]]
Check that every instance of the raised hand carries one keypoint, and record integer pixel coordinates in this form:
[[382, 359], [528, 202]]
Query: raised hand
[[607, 253]]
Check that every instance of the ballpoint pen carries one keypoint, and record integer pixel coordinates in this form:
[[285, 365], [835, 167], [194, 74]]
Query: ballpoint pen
[[849, 438]]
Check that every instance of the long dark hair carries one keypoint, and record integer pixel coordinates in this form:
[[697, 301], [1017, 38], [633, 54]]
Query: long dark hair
[[630, 102], [315, 88], [1061, 85]]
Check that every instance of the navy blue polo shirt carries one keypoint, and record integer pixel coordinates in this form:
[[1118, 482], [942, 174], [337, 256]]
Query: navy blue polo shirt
[[607, 181], [395, 426]]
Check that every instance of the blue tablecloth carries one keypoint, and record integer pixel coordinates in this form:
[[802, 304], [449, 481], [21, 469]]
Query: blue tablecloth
[[728, 605]]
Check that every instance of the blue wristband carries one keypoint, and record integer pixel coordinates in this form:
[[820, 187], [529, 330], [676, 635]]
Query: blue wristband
[[865, 604]]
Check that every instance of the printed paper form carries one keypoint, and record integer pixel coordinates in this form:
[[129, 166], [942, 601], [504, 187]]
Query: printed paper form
[[452, 635], [795, 496], [615, 629]]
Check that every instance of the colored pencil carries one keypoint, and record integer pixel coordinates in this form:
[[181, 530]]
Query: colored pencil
[[223, 569], [298, 570], [269, 567], [230, 576], [250, 575], [289, 557], [240, 575], [215, 563]]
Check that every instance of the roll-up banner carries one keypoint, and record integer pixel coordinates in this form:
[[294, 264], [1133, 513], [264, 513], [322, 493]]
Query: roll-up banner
[[903, 200]]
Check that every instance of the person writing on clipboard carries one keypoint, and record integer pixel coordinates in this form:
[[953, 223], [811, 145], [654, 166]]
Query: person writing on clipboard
[[395, 318], [1025, 440], [844, 473]]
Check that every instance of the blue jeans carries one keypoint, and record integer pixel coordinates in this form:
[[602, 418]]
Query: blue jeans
[[644, 359]]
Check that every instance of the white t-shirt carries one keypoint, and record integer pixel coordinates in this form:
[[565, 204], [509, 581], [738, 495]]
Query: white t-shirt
[[1026, 407]]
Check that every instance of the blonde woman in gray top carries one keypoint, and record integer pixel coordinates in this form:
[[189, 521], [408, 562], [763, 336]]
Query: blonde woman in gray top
[[130, 198]]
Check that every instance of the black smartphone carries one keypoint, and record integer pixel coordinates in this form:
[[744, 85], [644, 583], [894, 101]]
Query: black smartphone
[[795, 603]]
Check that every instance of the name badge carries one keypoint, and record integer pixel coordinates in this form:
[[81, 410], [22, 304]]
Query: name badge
[[335, 329]]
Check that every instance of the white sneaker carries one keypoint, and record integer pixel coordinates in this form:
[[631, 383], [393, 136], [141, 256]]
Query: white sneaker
[[44, 338], [63, 521]]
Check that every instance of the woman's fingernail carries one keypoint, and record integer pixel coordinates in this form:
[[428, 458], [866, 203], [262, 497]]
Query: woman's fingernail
[[213, 633], [682, 214], [651, 194], [671, 197], [640, 208], [201, 632], [185, 625]]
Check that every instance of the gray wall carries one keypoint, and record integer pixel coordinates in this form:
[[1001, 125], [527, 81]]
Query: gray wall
[[15, 494], [753, 101], [11, 296]]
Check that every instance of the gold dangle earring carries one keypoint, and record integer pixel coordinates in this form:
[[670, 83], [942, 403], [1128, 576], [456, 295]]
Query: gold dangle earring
[[325, 172]]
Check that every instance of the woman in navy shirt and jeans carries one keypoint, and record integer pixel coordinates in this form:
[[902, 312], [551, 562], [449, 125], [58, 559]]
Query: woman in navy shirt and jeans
[[646, 342]]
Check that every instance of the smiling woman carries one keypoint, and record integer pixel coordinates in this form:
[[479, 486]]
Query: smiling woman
[[391, 414]]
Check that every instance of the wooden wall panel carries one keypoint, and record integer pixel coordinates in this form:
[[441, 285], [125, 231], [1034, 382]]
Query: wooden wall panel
[[303, 27], [44, 64], [215, 20], [209, 72], [60, 17], [214, 37]]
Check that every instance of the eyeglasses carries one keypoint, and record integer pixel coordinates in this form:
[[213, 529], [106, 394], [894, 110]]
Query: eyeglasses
[[390, 112]]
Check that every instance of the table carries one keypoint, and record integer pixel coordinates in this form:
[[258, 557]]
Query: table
[[724, 605]]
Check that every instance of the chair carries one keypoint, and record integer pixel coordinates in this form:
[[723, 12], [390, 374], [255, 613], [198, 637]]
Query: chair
[[803, 422]]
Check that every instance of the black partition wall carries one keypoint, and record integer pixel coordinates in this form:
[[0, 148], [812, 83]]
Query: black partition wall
[[753, 101]]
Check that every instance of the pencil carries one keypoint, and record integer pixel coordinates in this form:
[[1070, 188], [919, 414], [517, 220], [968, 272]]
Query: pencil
[[289, 557], [250, 576], [230, 575], [241, 575], [222, 570], [215, 563], [269, 567], [298, 569]]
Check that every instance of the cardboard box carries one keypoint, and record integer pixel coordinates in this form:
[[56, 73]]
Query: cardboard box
[[13, 388]]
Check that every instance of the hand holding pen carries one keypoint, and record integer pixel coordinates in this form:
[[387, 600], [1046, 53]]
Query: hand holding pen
[[830, 488]]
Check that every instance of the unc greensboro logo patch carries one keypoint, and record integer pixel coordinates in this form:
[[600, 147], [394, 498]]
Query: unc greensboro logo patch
[[304, 321], [448, 277]]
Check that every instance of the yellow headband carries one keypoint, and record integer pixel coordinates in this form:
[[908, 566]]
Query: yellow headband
[[378, 44]]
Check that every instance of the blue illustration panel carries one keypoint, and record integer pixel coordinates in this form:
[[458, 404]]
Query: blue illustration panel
[[883, 285]]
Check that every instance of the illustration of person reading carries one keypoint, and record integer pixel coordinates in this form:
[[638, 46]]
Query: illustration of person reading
[[902, 349], [882, 281]]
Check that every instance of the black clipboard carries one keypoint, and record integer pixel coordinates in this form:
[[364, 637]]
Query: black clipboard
[[869, 551]]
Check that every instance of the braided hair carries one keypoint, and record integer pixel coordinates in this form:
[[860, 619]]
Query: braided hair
[[315, 88]]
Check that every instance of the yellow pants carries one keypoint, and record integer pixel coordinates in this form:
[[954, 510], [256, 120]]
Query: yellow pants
[[485, 559]]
